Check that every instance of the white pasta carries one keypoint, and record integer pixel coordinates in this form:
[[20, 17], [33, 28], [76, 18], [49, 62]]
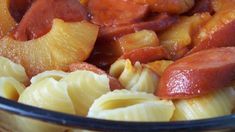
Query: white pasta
[[134, 77], [127, 105], [10, 88], [11, 69], [84, 87], [213, 105], [48, 94], [57, 75]]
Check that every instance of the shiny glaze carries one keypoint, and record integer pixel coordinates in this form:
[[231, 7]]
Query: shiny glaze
[[198, 74]]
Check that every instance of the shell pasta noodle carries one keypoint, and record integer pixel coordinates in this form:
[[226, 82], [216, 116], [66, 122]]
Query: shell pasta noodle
[[66, 95], [127, 105], [47, 94], [98, 64], [84, 87], [11, 69], [134, 77], [10, 88], [216, 104], [57, 75]]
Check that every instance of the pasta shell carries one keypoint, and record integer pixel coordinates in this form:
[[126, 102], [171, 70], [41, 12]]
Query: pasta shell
[[127, 105], [84, 87], [11, 69], [57, 75], [48, 94], [216, 104], [134, 77], [10, 88]]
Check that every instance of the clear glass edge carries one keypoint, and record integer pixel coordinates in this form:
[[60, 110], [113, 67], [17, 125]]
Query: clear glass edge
[[219, 123]]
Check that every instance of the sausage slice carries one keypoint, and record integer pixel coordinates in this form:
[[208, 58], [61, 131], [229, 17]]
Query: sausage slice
[[198, 74], [38, 19]]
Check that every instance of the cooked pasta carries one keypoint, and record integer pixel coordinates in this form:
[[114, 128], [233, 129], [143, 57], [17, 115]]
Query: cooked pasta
[[213, 105], [10, 88], [11, 69], [134, 77], [127, 105], [84, 87], [57, 75], [48, 94]]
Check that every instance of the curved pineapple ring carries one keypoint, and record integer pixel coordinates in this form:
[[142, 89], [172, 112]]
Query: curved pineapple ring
[[57, 75], [127, 105], [6, 21], [134, 77], [66, 43], [11, 69], [219, 103], [10, 88]]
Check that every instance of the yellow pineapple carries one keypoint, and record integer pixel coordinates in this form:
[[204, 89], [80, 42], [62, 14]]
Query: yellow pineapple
[[66, 43], [6, 21]]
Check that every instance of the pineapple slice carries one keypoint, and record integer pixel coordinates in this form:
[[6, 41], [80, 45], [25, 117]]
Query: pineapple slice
[[6, 20], [169, 6], [220, 5], [140, 39], [159, 66], [181, 34], [66, 43], [84, 2]]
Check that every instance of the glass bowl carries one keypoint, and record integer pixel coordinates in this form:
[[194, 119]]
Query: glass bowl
[[11, 108]]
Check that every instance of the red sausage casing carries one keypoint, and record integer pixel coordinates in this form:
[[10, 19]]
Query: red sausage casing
[[37, 21], [198, 74]]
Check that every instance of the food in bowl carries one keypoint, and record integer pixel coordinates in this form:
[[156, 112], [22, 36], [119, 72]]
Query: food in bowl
[[125, 60]]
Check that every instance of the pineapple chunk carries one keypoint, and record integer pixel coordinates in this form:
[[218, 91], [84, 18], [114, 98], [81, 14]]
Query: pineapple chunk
[[159, 66], [179, 36], [66, 43], [169, 6], [219, 5], [144, 38], [84, 2], [6, 21]]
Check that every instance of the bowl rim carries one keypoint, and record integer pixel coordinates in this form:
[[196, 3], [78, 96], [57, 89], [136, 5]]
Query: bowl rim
[[224, 122]]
